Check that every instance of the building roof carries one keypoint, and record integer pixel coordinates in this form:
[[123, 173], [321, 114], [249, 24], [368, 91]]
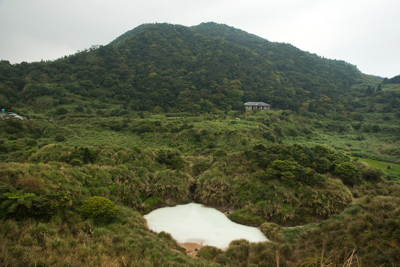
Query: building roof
[[257, 104]]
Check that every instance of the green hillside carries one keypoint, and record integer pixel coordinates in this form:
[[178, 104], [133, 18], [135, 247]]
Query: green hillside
[[205, 68], [393, 80], [156, 118]]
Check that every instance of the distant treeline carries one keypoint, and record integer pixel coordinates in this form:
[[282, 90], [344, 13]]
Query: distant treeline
[[163, 67]]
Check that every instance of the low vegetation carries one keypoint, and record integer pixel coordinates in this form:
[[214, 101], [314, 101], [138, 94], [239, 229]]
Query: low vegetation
[[316, 198]]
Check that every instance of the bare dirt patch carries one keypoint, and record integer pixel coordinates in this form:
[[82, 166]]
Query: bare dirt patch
[[191, 248]]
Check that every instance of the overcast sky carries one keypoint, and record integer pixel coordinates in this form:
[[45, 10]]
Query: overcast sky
[[365, 33]]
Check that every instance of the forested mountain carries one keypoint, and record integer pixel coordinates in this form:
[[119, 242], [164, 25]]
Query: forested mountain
[[394, 80], [203, 68]]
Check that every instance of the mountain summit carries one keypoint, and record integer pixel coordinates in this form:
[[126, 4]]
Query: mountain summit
[[200, 68]]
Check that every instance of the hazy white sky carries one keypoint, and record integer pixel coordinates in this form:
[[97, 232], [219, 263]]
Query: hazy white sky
[[365, 33]]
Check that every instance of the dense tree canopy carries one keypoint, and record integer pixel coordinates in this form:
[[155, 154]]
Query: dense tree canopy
[[206, 68]]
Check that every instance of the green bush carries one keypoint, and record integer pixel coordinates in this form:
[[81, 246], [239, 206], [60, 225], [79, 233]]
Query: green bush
[[209, 253], [50, 204], [273, 232], [200, 167], [178, 163], [61, 111], [322, 164], [31, 142], [370, 174], [151, 202], [59, 138], [242, 217], [81, 155], [145, 128], [349, 173], [269, 136], [99, 207], [219, 153]]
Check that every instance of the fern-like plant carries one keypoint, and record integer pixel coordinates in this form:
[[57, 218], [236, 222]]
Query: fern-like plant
[[13, 199]]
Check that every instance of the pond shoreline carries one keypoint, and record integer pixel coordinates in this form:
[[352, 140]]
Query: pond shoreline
[[194, 225]]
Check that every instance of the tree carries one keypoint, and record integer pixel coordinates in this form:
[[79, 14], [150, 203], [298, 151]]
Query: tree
[[34, 90], [357, 116], [311, 107], [369, 90], [4, 103], [87, 84]]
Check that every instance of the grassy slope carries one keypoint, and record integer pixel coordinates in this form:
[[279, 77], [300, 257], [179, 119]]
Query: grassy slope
[[198, 139], [394, 168]]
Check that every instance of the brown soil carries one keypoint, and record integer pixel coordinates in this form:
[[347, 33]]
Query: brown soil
[[191, 248]]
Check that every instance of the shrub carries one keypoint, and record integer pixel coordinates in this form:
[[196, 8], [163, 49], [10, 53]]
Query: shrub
[[273, 232], [152, 202], [242, 217], [50, 204], [31, 142], [292, 131], [61, 111], [278, 130], [200, 167], [386, 118], [178, 163], [269, 136], [81, 155], [172, 159], [165, 156], [59, 138], [309, 176], [372, 174], [357, 116], [209, 253], [79, 108], [376, 128], [145, 128], [30, 185], [219, 153], [315, 262], [3, 147], [348, 173], [75, 162], [322, 164], [15, 126], [99, 207], [14, 147]]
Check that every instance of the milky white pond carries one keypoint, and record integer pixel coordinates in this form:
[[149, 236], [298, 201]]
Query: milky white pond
[[198, 224]]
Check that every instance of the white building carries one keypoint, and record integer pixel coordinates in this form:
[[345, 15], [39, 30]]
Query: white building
[[257, 105]]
